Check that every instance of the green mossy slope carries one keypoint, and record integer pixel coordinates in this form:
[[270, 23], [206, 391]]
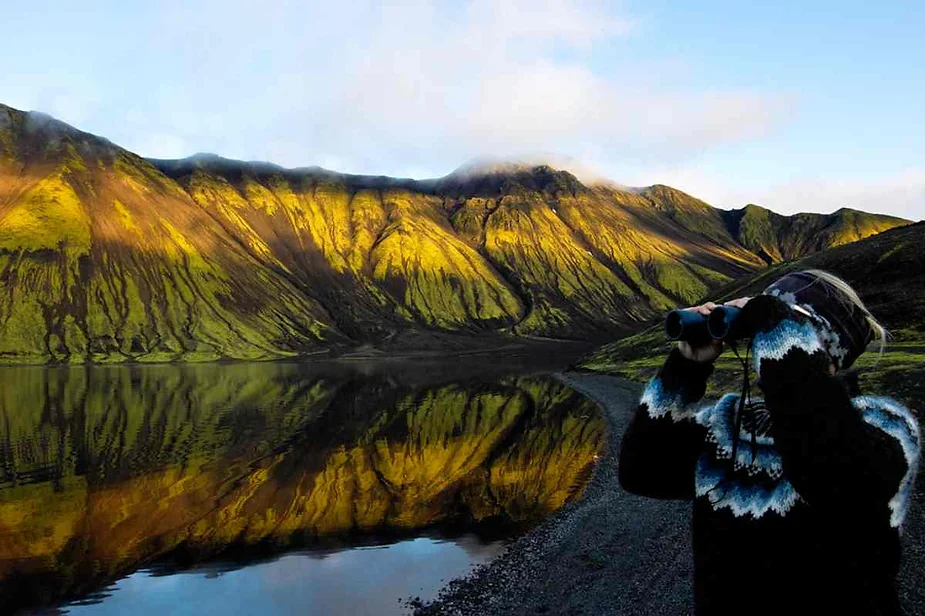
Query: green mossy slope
[[586, 260], [102, 258]]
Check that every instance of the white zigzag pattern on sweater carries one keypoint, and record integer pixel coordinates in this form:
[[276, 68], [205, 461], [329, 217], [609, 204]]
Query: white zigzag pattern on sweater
[[749, 495], [788, 335], [661, 402], [744, 497], [898, 422]]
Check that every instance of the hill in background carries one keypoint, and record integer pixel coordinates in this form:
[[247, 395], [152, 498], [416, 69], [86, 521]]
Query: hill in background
[[777, 238], [107, 257]]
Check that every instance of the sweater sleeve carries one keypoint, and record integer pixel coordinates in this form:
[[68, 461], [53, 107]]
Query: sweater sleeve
[[835, 456], [659, 451]]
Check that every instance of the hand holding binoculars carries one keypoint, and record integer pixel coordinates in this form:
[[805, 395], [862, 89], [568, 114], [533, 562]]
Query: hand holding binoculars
[[723, 323]]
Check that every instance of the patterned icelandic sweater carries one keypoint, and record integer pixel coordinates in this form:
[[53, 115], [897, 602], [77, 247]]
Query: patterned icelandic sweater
[[806, 520]]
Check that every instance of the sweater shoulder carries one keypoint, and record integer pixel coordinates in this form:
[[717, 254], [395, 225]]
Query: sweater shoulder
[[890, 416], [900, 423]]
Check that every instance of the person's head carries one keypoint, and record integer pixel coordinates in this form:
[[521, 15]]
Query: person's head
[[844, 323]]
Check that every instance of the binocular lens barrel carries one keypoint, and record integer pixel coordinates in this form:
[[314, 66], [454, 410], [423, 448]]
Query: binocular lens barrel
[[689, 325], [722, 322], [674, 324]]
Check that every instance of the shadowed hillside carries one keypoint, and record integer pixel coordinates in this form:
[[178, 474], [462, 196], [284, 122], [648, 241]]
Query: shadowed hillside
[[108, 257]]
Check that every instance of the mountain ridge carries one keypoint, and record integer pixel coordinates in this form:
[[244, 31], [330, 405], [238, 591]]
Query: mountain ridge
[[107, 256], [777, 238]]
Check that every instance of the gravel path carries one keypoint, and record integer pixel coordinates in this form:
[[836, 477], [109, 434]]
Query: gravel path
[[613, 552]]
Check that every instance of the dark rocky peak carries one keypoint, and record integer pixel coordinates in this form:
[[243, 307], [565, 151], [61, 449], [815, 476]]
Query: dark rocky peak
[[507, 178], [34, 135], [235, 169], [213, 163]]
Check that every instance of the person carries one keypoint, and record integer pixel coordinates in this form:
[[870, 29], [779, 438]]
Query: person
[[798, 495]]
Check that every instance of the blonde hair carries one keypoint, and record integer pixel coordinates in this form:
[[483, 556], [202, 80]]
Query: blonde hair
[[850, 296]]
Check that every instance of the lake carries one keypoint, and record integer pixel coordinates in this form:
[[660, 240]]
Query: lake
[[281, 488]]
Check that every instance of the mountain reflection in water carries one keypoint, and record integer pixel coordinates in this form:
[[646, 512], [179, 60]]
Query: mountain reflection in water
[[107, 469]]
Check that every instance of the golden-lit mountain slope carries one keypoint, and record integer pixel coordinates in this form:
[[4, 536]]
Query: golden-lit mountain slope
[[777, 238], [105, 256]]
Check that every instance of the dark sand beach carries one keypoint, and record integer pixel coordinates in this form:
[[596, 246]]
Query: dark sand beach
[[616, 553]]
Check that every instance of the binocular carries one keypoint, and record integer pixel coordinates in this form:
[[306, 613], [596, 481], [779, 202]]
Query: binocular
[[698, 330]]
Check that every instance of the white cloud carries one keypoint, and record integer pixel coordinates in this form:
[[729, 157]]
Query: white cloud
[[496, 81], [399, 88], [156, 145]]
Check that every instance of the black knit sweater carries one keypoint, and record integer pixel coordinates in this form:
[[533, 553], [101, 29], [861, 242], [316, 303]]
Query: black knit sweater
[[806, 519]]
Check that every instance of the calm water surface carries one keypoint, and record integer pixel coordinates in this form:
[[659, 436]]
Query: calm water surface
[[363, 580], [274, 488]]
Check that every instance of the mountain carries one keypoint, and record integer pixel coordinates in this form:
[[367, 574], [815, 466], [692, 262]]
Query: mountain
[[106, 256], [777, 238]]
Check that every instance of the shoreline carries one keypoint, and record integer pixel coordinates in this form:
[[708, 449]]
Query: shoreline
[[566, 565], [436, 349], [614, 552]]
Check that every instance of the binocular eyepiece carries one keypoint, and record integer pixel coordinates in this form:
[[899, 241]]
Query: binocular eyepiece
[[698, 330]]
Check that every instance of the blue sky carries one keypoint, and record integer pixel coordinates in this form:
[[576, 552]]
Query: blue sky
[[796, 107]]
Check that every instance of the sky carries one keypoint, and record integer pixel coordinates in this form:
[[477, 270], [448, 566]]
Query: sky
[[794, 105]]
